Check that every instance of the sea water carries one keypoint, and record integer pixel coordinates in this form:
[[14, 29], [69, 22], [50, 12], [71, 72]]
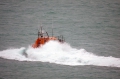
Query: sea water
[[92, 39]]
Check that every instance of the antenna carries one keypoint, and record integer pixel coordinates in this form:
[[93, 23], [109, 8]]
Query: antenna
[[38, 32], [41, 29], [41, 33], [52, 28]]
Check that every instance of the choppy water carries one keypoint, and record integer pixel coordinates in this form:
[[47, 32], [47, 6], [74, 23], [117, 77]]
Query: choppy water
[[90, 27]]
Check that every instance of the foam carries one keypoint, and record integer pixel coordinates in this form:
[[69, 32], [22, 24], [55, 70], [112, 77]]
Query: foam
[[55, 52]]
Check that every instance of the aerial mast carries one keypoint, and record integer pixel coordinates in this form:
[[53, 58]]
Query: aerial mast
[[38, 32], [52, 28]]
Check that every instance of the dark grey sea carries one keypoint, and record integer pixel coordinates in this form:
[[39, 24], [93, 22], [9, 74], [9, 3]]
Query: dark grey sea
[[91, 29]]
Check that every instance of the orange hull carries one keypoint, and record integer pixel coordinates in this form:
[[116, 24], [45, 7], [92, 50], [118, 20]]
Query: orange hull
[[41, 41]]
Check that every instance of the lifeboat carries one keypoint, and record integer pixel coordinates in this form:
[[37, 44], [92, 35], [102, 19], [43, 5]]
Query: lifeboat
[[44, 37]]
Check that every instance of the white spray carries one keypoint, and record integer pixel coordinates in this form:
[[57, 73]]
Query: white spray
[[64, 54]]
